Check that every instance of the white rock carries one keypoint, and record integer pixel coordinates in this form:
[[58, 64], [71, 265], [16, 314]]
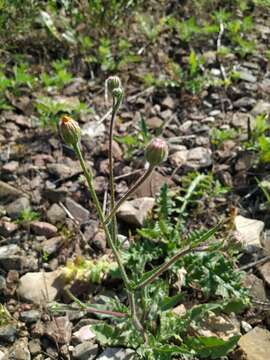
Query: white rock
[[84, 334], [39, 287], [250, 231], [135, 211]]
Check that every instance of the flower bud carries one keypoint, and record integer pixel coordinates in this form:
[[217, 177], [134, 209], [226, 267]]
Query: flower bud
[[69, 130], [156, 151], [113, 82], [118, 95]]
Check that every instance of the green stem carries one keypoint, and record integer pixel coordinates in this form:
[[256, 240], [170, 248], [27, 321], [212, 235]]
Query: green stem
[[128, 193], [136, 321], [163, 267], [89, 178], [112, 185]]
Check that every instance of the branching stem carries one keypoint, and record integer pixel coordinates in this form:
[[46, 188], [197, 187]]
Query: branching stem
[[138, 183]]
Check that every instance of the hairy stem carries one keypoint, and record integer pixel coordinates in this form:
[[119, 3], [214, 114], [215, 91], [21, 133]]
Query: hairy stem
[[112, 185], [136, 321], [91, 309], [89, 178], [138, 183]]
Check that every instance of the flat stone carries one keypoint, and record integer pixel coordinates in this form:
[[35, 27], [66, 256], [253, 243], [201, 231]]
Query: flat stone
[[2, 283], [220, 326], [84, 334], [30, 316], [43, 228], [52, 245], [199, 157], [168, 102], [11, 167], [61, 170], [246, 76], [244, 102], [255, 345], [79, 212], [20, 351], [250, 231], [15, 208], [179, 158], [85, 351], [8, 192], [38, 287], [55, 195], [56, 214], [264, 270], [34, 347], [261, 107], [154, 122], [7, 228], [241, 120], [59, 330], [255, 287], [117, 353], [135, 211], [11, 257], [152, 185], [8, 333]]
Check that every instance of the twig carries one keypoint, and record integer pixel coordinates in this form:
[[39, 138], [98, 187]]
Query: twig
[[254, 263], [143, 92]]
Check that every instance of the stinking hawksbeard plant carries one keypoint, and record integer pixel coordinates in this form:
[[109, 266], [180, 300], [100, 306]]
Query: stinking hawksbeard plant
[[134, 325]]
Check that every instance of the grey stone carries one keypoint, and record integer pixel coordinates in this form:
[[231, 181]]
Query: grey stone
[[61, 170], [55, 195], [11, 257], [56, 214], [8, 333], [255, 287], [43, 228], [52, 245], [38, 287], [15, 208], [135, 211], [85, 351], [199, 157], [246, 76], [255, 345], [244, 102], [8, 192], [79, 212], [30, 316], [117, 353]]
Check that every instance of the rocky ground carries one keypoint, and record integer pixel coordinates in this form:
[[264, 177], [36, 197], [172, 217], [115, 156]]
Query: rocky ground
[[41, 178]]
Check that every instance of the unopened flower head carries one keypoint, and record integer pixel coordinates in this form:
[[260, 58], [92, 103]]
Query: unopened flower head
[[113, 82], [70, 130], [118, 94], [156, 151]]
